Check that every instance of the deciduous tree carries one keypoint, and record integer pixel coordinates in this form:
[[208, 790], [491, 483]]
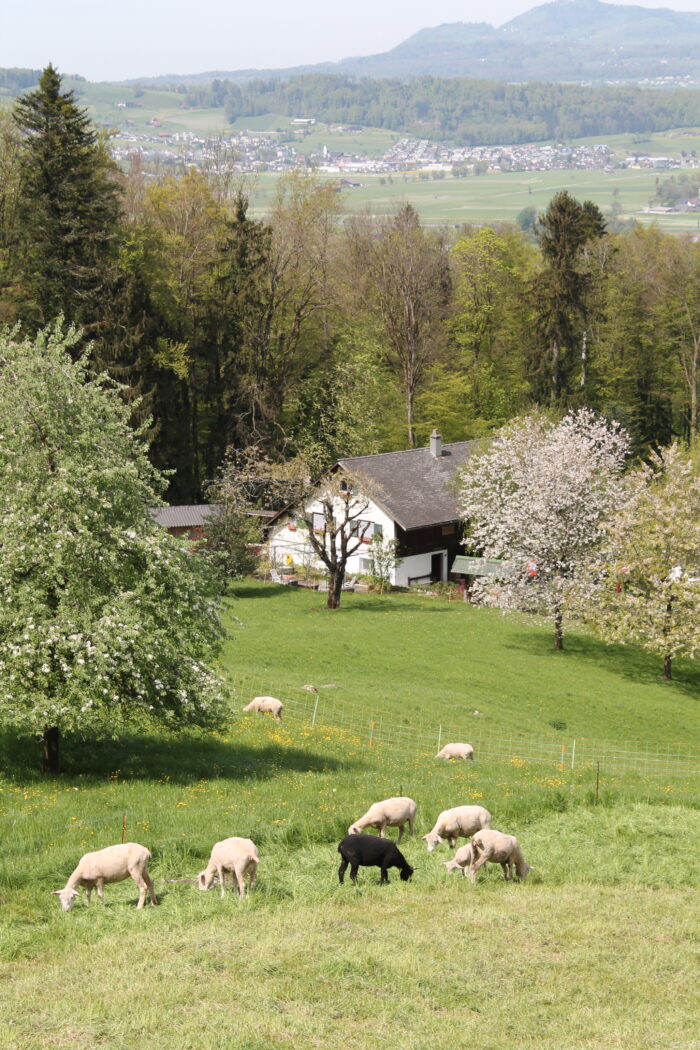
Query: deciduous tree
[[104, 618], [537, 498], [646, 584]]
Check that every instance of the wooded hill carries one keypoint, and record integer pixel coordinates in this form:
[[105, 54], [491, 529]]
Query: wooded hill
[[568, 40], [462, 111]]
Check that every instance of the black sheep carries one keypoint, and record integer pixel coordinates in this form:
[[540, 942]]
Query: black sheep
[[371, 851]]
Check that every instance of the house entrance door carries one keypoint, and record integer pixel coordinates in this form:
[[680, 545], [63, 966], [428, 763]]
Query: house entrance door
[[435, 568]]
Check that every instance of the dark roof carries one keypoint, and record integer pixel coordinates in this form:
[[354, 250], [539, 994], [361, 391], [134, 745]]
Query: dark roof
[[185, 517], [413, 486]]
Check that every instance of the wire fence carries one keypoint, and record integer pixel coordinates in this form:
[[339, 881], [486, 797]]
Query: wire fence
[[322, 708]]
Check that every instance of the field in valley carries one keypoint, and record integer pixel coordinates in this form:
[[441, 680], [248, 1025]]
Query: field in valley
[[596, 950]]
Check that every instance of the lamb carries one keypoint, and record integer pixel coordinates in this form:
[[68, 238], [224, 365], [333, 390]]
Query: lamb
[[392, 812], [266, 704], [494, 846], [462, 859], [465, 751], [452, 823], [237, 855], [112, 864], [371, 851]]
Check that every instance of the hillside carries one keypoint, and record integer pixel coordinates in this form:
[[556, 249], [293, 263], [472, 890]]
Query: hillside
[[583, 954], [567, 40]]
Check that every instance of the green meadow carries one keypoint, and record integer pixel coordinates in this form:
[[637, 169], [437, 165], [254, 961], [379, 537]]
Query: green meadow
[[496, 197], [596, 950]]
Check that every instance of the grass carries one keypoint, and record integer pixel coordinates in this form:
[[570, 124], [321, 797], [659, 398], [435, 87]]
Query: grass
[[498, 197], [594, 951]]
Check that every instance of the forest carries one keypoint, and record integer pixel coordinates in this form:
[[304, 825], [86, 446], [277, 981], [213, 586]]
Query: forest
[[312, 331], [463, 110]]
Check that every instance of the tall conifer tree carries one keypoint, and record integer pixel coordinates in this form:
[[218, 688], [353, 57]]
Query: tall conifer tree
[[68, 207]]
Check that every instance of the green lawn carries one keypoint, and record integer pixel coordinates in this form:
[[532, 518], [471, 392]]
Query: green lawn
[[594, 951]]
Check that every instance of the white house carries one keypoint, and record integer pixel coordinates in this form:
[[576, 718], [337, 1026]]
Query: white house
[[411, 502]]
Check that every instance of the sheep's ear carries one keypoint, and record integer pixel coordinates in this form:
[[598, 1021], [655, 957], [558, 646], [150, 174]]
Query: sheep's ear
[[56, 893]]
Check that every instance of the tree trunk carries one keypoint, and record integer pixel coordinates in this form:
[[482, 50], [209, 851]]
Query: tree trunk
[[50, 763], [668, 677], [335, 586], [558, 629]]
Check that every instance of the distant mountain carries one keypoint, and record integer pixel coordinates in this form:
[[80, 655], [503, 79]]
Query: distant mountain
[[567, 40]]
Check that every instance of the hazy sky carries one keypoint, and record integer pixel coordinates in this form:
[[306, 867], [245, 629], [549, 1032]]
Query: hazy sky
[[116, 40]]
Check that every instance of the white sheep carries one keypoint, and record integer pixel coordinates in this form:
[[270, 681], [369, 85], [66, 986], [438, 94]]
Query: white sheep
[[494, 846], [237, 855], [112, 864], [392, 812], [456, 751], [462, 859], [462, 821], [266, 704]]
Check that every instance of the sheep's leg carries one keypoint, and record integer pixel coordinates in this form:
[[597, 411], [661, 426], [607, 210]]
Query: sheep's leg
[[384, 877], [400, 834], [341, 870], [253, 875], [382, 831], [222, 876], [151, 890], [476, 864], [353, 872], [101, 890], [238, 875], [506, 870], [88, 893]]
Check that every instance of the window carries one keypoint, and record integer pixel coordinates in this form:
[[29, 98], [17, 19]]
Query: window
[[318, 521], [363, 529], [378, 532]]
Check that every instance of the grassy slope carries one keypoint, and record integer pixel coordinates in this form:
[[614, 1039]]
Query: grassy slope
[[595, 951]]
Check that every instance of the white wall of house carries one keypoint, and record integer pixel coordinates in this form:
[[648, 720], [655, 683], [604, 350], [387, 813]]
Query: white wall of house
[[289, 541]]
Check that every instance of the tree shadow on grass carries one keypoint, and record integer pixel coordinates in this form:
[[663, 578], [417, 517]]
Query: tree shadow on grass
[[261, 590], [181, 759], [628, 661]]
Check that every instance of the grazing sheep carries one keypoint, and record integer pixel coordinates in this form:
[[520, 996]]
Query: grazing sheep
[[112, 864], [392, 812], [371, 851], [462, 859], [494, 846], [239, 856], [462, 821], [457, 751], [266, 704]]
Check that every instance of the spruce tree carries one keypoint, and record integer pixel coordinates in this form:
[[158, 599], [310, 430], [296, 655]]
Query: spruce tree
[[68, 207]]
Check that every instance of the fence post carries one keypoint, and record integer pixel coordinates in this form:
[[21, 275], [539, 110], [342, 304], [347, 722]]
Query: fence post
[[563, 750], [371, 733], [573, 754], [313, 718], [439, 739], [123, 829]]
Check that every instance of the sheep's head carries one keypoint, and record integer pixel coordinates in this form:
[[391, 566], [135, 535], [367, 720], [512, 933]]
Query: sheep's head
[[205, 879], [407, 872], [432, 841], [66, 897], [354, 830]]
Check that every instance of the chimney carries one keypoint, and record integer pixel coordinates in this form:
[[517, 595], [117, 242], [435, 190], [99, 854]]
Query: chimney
[[436, 443]]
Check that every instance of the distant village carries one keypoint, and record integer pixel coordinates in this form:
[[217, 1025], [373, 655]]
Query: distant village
[[251, 152]]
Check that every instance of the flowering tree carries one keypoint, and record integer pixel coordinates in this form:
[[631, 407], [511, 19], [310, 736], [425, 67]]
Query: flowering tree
[[536, 499], [104, 618], [648, 575]]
